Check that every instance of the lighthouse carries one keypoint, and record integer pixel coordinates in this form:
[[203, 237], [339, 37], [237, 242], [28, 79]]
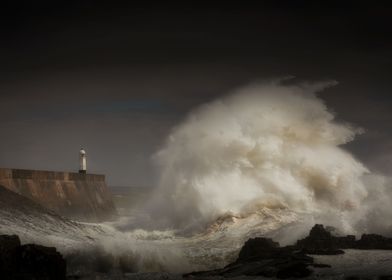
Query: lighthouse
[[82, 161]]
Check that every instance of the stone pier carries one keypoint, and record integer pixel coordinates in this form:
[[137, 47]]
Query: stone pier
[[78, 196]]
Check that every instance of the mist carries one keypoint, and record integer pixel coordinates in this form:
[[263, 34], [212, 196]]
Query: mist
[[267, 146], [268, 159]]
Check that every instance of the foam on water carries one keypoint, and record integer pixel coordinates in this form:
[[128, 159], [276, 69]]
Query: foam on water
[[267, 159]]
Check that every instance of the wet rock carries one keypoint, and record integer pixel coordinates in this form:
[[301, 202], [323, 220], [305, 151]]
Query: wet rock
[[258, 247], [9, 245], [345, 242], [374, 241], [295, 269], [29, 261], [321, 242], [264, 257], [321, 265], [40, 261]]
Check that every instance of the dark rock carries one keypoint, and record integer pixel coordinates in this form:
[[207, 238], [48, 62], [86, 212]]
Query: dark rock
[[374, 241], [319, 232], [258, 247], [264, 257], [321, 242], [327, 252], [320, 265], [9, 245], [345, 242], [295, 269], [264, 268], [41, 262], [319, 239], [29, 261]]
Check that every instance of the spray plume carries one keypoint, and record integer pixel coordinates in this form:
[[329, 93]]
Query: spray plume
[[265, 146]]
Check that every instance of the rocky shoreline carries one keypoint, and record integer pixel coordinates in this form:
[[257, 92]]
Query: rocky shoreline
[[264, 257], [258, 257], [29, 261]]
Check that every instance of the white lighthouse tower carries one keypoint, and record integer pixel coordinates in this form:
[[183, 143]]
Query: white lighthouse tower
[[82, 161]]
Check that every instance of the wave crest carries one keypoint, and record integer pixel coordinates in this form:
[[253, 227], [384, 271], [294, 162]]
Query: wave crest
[[266, 145]]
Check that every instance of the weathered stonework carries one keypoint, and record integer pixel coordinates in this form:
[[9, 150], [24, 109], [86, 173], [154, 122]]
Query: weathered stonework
[[82, 197]]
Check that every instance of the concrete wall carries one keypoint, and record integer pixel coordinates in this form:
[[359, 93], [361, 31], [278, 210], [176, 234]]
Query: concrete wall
[[82, 197]]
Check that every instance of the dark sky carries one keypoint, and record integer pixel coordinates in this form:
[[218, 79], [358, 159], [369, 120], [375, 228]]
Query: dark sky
[[115, 78]]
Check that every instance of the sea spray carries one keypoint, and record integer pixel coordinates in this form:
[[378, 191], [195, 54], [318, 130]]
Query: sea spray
[[267, 145], [266, 160]]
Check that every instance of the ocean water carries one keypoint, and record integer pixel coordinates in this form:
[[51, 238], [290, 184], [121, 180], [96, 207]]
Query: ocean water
[[266, 160], [129, 200]]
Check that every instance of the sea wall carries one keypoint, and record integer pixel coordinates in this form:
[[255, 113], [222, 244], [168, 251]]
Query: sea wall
[[82, 197]]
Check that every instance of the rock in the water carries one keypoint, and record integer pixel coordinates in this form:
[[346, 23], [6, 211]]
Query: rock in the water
[[294, 270], [29, 261], [9, 245], [41, 261], [264, 257], [258, 247], [319, 232], [320, 242], [374, 241]]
